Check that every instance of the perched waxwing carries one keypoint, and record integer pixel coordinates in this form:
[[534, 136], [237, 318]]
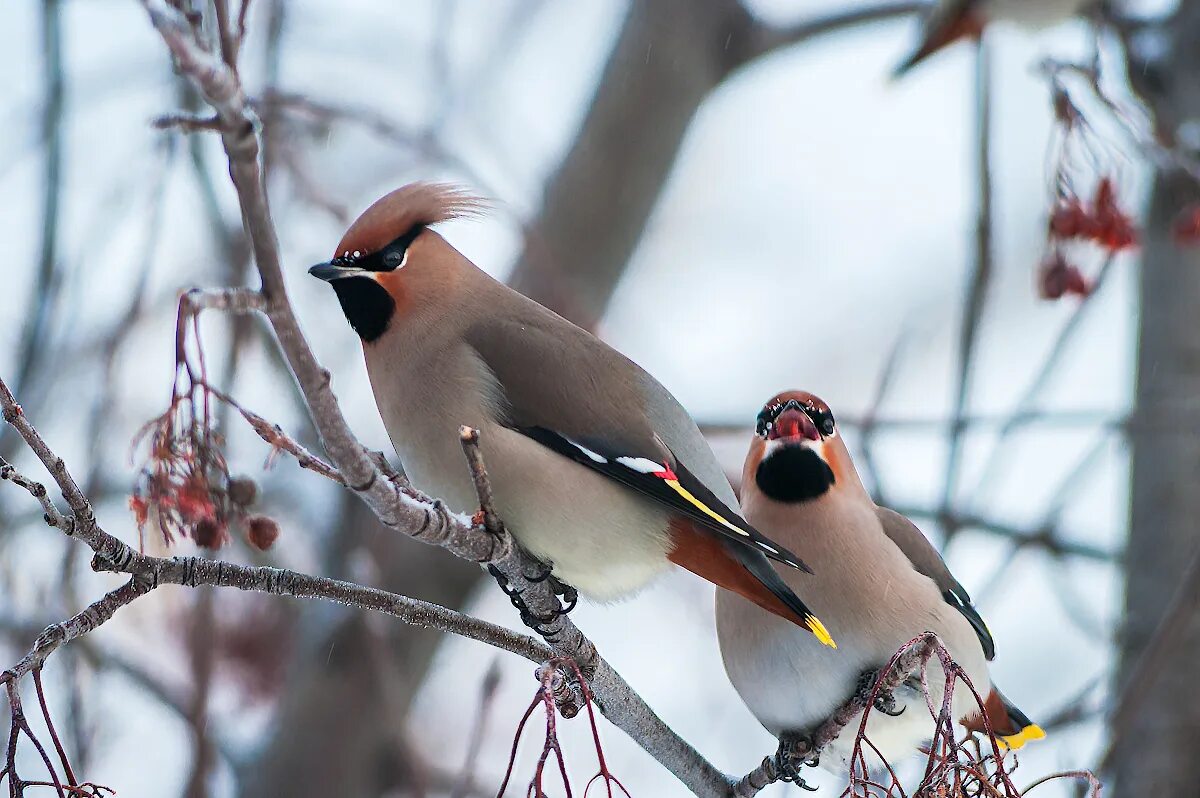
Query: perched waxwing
[[877, 583], [595, 468], [947, 21]]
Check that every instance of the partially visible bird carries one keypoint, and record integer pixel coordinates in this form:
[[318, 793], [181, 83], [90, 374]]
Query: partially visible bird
[[596, 469], [950, 20], [878, 583]]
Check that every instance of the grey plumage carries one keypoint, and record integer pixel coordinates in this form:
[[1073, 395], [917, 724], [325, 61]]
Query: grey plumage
[[878, 583], [596, 469]]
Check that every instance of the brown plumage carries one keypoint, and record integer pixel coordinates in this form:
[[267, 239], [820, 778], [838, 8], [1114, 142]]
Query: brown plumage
[[595, 468], [878, 583], [952, 22]]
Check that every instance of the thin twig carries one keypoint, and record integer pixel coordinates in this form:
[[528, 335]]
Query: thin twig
[[908, 662], [483, 488], [972, 314], [36, 489]]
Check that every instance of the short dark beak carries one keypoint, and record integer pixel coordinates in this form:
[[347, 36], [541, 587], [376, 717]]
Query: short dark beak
[[329, 271]]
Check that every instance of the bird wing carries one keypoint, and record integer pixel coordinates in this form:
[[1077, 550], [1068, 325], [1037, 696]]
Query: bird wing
[[573, 394], [926, 560]]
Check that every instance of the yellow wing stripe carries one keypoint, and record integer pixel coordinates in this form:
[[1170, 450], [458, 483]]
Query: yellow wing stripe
[[817, 628], [704, 508], [813, 623], [1030, 732]]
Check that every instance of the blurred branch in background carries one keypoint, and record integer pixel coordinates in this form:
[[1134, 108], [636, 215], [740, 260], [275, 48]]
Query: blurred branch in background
[[669, 56], [48, 280], [981, 276]]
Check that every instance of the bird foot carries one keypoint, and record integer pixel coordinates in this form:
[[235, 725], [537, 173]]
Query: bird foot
[[794, 753], [537, 623], [570, 595], [885, 700]]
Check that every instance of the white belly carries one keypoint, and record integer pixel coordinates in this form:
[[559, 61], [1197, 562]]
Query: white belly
[[791, 682], [872, 600]]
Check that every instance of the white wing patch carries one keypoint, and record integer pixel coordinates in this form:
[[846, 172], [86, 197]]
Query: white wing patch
[[588, 453], [640, 464]]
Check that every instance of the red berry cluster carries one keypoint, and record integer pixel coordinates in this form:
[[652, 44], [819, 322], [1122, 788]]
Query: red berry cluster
[[1057, 277], [1102, 221], [186, 487]]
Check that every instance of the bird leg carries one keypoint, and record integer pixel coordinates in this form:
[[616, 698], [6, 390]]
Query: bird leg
[[885, 701], [536, 622], [794, 753]]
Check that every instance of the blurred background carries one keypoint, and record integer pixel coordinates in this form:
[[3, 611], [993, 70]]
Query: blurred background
[[734, 194]]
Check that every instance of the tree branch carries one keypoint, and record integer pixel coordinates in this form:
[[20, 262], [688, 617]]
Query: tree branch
[[768, 38], [909, 661]]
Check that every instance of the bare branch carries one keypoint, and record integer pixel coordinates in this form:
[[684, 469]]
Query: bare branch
[[274, 436], [37, 490], [981, 272], [93, 616], [483, 487], [188, 123], [767, 39]]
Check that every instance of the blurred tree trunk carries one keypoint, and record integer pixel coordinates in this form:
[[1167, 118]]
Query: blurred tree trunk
[[1156, 753], [669, 55], [340, 726]]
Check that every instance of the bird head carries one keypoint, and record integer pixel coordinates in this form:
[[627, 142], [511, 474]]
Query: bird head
[[388, 252], [797, 454]]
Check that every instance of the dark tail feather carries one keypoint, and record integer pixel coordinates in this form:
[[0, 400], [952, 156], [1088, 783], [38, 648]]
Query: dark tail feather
[[740, 569], [761, 569], [1012, 726]]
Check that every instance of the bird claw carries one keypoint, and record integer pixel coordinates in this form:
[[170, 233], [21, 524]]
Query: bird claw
[[795, 753], [537, 623], [885, 700], [570, 595], [543, 576]]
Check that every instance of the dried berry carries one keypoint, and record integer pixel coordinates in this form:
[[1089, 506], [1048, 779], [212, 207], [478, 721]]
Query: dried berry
[[1057, 277], [208, 534], [262, 532], [243, 491]]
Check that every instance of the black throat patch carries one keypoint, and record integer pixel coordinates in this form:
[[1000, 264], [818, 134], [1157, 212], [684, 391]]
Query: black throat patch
[[793, 474], [367, 305]]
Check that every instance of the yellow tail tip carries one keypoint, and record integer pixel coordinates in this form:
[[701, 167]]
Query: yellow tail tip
[[1030, 732], [817, 628]]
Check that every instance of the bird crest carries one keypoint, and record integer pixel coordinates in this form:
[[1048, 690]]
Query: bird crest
[[399, 212]]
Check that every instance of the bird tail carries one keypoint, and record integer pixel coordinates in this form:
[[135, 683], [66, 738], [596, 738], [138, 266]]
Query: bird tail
[[939, 34], [742, 570], [1012, 727]]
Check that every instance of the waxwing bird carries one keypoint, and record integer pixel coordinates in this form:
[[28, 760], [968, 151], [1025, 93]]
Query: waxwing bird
[[948, 21], [596, 469], [878, 583]]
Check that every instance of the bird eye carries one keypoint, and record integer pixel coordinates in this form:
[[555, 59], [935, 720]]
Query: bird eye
[[393, 259], [827, 425]]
